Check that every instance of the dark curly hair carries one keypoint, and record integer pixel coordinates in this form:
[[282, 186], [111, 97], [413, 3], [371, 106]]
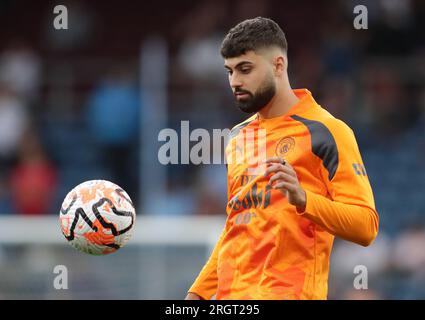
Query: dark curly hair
[[252, 35]]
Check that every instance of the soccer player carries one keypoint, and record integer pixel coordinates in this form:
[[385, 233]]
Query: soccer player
[[280, 227]]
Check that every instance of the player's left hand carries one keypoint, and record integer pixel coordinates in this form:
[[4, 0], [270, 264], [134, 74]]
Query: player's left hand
[[284, 178]]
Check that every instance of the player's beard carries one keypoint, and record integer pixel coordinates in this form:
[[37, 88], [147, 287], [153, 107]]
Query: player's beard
[[255, 102]]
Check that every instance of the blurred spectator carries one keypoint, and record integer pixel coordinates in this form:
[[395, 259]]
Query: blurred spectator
[[20, 68], [13, 120], [201, 59], [199, 55], [34, 179], [113, 118], [409, 263], [409, 253]]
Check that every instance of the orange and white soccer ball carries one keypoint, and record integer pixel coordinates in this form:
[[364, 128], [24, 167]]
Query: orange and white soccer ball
[[97, 217]]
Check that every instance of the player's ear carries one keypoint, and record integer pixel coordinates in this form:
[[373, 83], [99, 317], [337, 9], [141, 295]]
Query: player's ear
[[280, 64]]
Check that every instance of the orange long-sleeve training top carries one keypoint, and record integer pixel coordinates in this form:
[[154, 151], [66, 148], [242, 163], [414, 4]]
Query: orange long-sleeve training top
[[267, 249]]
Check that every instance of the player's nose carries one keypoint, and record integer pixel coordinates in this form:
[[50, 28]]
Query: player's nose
[[235, 81]]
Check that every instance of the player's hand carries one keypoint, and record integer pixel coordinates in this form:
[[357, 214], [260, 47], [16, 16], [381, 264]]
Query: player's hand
[[193, 296], [284, 178]]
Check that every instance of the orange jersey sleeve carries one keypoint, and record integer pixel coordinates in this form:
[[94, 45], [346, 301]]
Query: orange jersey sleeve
[[350, 212]]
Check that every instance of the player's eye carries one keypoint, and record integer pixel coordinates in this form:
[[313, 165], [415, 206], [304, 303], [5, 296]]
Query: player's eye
[[229, 72], [245, 70]]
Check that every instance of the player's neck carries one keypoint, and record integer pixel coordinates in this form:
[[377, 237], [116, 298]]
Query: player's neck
[[281, 103]]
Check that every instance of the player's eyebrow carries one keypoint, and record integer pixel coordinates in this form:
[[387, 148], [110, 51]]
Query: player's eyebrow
[[239, 65]]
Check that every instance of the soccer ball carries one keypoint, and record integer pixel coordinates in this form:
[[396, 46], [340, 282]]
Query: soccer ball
[[97, 217]]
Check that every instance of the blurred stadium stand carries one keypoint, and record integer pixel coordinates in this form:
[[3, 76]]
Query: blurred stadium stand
[[372, 79]]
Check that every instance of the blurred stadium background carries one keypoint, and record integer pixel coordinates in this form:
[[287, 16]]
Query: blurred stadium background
[[88, 103]]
